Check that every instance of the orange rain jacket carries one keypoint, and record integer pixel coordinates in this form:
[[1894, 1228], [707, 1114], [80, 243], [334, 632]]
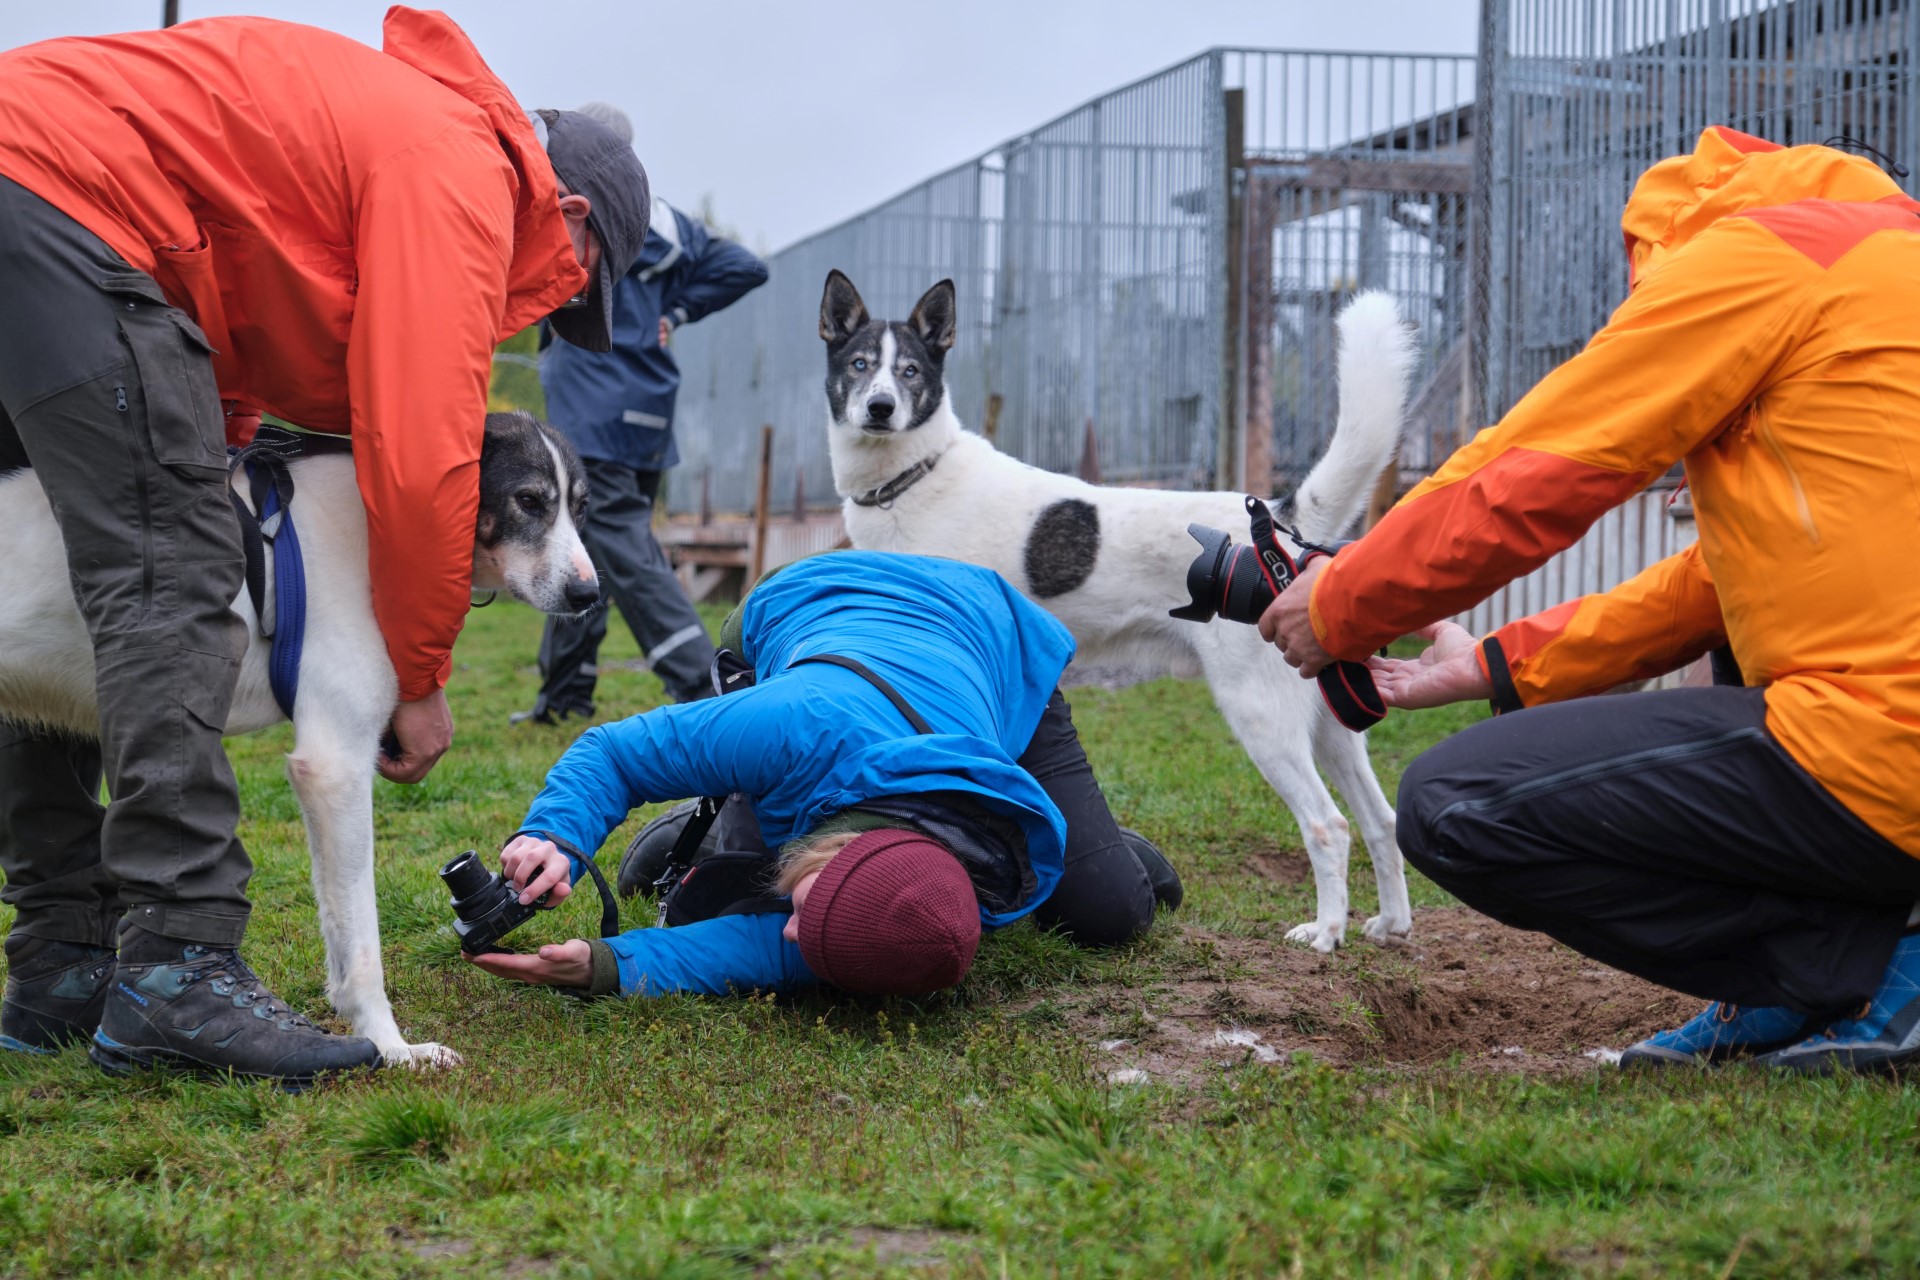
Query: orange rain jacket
[[1772, 341], [353, 229]]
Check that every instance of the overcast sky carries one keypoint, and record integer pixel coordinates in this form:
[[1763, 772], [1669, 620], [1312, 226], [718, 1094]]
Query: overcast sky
[[793, 116]]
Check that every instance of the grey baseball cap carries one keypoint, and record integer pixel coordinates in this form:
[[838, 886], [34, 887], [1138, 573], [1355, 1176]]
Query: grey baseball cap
[[593, 161]]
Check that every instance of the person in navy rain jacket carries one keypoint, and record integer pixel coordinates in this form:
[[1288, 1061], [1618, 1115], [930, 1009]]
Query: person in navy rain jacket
[[1000, 786], [617, 409]]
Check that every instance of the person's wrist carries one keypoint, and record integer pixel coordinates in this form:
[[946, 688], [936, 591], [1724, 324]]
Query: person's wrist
[[604, 969]]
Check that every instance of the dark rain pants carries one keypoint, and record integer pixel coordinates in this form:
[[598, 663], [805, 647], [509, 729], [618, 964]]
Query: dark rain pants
[[1666, 834], [108, 393], [635, 575]]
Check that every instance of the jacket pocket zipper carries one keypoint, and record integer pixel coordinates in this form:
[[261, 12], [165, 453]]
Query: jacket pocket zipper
[[1793, 477], [1606, 769]]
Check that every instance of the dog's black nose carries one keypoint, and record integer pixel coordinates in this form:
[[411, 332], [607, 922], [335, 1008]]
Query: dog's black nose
[[880, 408], [581, 593]]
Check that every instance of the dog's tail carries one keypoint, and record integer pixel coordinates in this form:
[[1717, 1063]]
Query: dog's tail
[[1376, 355]]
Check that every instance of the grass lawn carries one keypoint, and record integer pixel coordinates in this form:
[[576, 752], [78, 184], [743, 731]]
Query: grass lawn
[[1381, 1113]]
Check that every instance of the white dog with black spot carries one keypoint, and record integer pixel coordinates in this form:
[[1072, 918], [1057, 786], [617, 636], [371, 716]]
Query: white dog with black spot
[[1111, 562]]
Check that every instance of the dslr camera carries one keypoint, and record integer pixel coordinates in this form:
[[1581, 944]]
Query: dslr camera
[[1239, 581], [485, 907]]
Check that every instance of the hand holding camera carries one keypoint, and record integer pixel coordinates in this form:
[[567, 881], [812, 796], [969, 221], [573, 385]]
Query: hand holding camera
[[487, 907], [537, 868], [1241, 583]]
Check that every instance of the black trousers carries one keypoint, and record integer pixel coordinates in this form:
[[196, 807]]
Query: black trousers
[[1666, 834], [109, 393], [634, 572], [1104, 897]]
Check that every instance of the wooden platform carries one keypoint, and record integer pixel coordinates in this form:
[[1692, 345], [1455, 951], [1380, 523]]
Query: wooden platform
[[715, 559]]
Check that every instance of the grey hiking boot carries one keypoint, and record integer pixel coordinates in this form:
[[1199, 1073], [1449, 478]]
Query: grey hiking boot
[[203, 1010], [54, 993]]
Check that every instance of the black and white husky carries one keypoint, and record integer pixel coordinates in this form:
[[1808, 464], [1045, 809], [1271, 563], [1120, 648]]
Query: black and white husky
[[1110, 563], [527, 543]]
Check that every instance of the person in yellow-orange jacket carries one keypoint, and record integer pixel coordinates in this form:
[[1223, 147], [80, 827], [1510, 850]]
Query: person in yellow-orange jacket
[[1757, 845]]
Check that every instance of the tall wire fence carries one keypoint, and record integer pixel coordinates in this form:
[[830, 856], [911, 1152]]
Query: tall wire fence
[[1585, 94], [1148, 283], [1088, 257]]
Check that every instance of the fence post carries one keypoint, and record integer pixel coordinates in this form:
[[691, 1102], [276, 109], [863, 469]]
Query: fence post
[[1090, 455], [759, 555], [1258, 220], [1490, 219], [1235, 422]]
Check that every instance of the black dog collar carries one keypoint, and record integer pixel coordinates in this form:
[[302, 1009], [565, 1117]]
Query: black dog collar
[[884, 496]]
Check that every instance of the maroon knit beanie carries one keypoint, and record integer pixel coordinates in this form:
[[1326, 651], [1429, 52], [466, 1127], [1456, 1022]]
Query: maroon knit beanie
[[893, 914]]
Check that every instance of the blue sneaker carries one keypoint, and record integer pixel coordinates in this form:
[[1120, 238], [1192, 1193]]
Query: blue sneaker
[[1883, 1036], [1721, 1032]]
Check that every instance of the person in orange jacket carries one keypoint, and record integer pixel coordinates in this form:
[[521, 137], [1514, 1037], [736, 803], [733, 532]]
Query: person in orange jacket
[[198, 225], [1756, 843]]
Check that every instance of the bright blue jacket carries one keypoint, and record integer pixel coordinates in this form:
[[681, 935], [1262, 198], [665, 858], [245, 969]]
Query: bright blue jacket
[[618, 405], [967, 651]]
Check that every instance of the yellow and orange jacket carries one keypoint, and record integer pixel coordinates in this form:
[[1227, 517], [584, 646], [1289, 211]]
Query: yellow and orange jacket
[[1772, 342], [354, 229]]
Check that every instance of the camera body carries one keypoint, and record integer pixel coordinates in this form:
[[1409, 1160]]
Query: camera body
[[1238, 581], [485, 907]]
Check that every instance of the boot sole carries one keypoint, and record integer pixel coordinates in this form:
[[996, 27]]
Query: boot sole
[[30, 1031], [9, 1045], [122, 1060]]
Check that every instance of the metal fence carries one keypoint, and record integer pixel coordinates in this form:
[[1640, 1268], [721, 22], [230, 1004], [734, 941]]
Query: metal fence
[[1356, 173], [1148, 283], [1089, 260], [1139, 279], [1585, 94]]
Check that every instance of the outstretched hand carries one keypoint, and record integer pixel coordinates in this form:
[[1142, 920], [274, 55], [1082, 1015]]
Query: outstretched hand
[[562, 964], [1449, 671]]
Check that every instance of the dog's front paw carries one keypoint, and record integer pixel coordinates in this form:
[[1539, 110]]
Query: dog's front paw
[[1388, 932], [421, 1057], [1320, 936]]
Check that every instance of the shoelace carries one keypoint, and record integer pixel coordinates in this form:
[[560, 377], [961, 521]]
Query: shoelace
[[241, 978]]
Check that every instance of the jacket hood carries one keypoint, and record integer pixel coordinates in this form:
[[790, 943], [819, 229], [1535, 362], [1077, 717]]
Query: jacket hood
[[544, 272], [1731, 172]]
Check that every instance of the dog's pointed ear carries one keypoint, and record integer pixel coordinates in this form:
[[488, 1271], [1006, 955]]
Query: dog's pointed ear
[[936, 316], [841, 310]]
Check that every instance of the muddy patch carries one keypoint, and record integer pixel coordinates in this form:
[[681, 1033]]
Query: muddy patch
[[1278, 868], [1465, 992]]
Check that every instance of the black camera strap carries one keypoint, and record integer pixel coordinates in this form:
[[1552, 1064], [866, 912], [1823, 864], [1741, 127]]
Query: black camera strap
[[686, 850], [1346, 687]]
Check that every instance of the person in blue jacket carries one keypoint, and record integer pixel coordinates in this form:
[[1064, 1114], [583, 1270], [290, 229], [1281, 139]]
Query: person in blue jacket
[[617, 409], [835, 772]]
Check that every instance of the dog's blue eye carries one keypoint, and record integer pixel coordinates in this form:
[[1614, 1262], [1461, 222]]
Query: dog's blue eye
[[911, 371], [859, 366]]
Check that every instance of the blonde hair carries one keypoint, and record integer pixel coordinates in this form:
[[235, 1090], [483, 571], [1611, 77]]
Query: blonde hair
[[802, 857]]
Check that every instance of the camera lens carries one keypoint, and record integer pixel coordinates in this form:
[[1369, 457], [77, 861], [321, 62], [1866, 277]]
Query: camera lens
[[465, 876], [1248, 593]]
